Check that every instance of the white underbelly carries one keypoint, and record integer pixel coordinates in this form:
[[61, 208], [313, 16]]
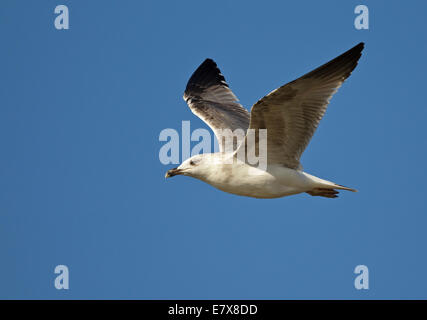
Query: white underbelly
[[252, 182]]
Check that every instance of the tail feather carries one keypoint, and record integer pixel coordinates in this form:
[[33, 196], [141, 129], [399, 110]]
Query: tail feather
[[340, 187], [329, 191], [325, 188]]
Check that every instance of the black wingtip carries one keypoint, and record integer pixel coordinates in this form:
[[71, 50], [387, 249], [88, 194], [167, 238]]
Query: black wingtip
[[209, 61], [359, 47], [208, 64], [356, 50], [341, 66], [206, 75]]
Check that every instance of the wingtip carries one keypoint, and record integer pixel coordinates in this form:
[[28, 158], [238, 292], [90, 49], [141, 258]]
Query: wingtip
[[209, 60], [207, 74], [208, 63], [359, 47]]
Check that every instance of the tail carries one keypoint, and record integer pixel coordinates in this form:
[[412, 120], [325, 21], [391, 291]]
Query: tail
[[340, 187], [328, 190]]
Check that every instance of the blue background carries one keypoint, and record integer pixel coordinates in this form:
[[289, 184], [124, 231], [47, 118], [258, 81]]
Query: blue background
[[81, 183]]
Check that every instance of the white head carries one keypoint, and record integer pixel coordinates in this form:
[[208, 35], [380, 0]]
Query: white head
[[198, 166]]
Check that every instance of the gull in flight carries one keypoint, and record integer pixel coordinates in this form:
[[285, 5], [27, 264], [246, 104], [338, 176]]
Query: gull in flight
[[290, 114]]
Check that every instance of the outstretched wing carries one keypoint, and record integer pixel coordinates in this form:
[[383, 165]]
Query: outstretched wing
[[209, 97], [292, 112]]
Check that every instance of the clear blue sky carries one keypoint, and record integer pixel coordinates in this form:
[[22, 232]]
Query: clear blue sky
[[81, 183]]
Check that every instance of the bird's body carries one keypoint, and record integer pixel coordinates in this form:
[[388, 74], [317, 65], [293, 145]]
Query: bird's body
[[245, 180], [229, 174], [289, 115]]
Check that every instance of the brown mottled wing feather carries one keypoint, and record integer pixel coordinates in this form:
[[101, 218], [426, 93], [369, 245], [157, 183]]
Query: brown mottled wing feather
[[209, 97], [292, 112]]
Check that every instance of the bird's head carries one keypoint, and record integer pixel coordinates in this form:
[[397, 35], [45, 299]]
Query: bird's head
[[195, 167]]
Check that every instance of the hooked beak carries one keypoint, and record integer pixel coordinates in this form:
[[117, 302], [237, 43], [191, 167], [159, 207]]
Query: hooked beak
[[173, 172]]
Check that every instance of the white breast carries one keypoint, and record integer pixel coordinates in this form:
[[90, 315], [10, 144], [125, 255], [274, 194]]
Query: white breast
[[245, 180]]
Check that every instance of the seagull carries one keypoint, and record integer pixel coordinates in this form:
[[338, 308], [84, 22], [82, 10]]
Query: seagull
[[290, 114]]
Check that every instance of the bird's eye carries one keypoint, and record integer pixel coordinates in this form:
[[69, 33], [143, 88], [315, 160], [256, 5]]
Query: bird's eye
[[192, 163]]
